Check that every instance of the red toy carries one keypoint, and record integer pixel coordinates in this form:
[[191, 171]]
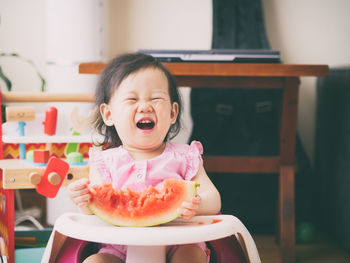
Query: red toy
[[41, 156], [53, 177], [50, 121]]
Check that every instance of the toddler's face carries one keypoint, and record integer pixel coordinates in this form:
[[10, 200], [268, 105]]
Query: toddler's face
[[141, 110]]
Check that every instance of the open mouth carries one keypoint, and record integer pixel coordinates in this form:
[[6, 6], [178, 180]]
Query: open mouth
[[145, 124]]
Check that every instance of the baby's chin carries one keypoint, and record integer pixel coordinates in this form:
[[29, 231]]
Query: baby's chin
[[153, 146], [146, 146], [149, 139]]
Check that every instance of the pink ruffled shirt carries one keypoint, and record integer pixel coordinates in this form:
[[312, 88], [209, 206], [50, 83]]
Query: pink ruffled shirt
[[116, 165]]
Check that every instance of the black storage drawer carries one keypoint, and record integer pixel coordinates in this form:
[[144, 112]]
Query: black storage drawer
[[332, 154]]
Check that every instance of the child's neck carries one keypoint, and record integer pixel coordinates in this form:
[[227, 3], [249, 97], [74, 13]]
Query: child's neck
[[140, 154]]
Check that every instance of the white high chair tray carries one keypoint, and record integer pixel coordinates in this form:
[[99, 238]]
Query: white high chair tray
[[199, 229]]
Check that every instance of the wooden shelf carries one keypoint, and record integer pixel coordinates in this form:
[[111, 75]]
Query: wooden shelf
[[47, 139], [46, 97], [16, 173]]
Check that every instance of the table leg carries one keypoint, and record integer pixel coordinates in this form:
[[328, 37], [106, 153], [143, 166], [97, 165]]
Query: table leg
[[287, 217], [146, 254], [287, 170]]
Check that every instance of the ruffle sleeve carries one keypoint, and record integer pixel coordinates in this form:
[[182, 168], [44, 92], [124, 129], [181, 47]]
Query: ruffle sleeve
[[97, 160], [193, 159]]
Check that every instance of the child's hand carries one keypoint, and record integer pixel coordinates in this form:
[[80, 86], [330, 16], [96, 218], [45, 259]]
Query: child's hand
[[79, 193], [189, 209]]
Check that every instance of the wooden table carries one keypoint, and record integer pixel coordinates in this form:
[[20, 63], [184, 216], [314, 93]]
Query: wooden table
[[276, 76]]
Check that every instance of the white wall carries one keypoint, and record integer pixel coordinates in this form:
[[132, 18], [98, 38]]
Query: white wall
[[311, 31], [22, 27], [153, 24]]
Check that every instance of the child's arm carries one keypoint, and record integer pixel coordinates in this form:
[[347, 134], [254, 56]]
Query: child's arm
[[208, 201]]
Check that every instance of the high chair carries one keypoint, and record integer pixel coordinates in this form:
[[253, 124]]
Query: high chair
[[226, 236]]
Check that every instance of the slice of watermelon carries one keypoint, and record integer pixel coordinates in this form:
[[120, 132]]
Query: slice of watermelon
[[147, 208]]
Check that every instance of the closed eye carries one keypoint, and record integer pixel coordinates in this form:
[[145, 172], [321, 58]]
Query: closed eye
[[157, 98]]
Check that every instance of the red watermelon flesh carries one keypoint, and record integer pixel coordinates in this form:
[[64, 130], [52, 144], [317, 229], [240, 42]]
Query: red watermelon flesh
[[146, 208]]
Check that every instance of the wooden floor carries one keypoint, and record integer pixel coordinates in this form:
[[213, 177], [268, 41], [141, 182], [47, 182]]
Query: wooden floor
[[321, 251]]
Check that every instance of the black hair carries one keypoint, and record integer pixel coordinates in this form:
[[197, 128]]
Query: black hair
[[111, 77]]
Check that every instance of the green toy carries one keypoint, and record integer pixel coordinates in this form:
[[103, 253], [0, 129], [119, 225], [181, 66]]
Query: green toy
[[305, 233]]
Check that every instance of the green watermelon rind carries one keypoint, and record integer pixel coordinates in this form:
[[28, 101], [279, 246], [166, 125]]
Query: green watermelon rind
[[191, 191]]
